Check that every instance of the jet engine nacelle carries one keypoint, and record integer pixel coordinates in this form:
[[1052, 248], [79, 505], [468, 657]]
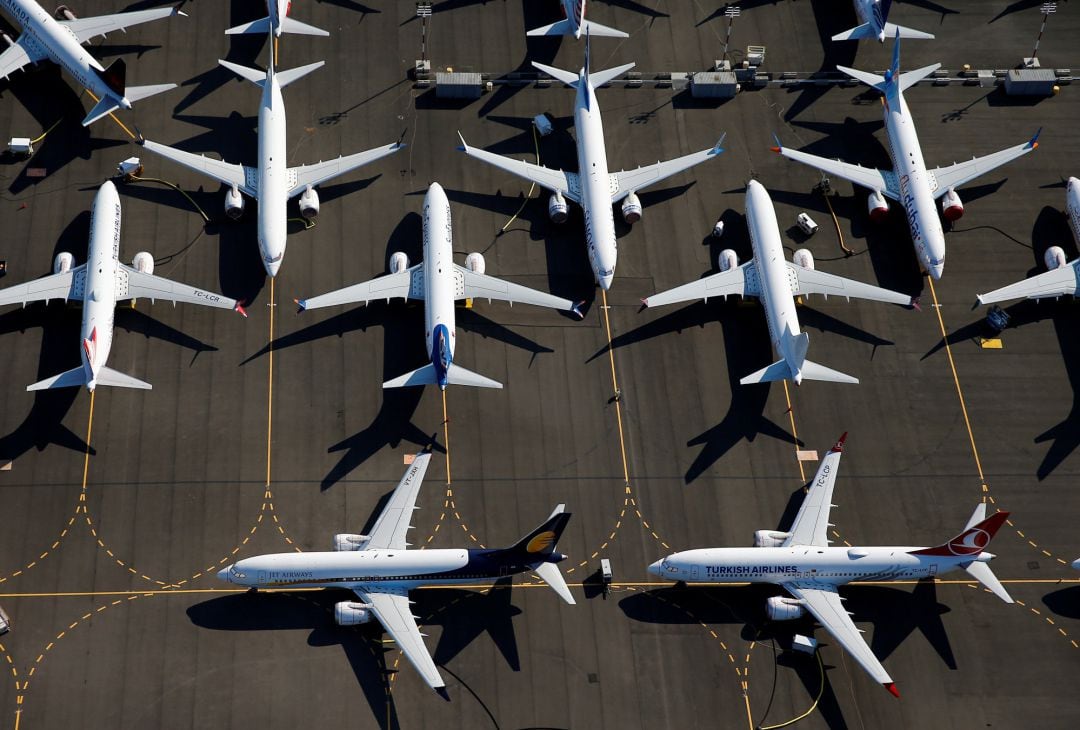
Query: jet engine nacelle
[[877, 206], [398, 262], [475, 262], [234, 203], [143, 262], [770, 538], [727, 260], [346, 542], [951, 207], [309, 203], [558, 210], [804, 258], [1054, 258], [631, 209], [780, 608], [63, 12], [350, 613], [63, 262]]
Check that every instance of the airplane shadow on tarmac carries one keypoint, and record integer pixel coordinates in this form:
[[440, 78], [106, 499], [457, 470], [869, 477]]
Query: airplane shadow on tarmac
[[463, 615], [895, 614]]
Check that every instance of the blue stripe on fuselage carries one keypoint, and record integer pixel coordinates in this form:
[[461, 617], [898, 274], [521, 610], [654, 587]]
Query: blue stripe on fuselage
[[441, 357]]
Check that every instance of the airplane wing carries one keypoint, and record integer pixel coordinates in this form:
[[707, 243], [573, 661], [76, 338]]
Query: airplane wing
[[134, 284], [1053, 283], [740, 281], [244, 178], [68, 285], [867, 177], [306, 176], [811, 524], [812, 281], [482, 286], [25, 51], [627, 181], [554, 180], [825, 605], [88, 28], [959, 173], [408, 284], [391, 607], [394, 522]]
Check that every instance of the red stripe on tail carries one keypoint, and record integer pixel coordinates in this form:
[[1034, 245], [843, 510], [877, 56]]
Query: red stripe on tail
[[970, 542]]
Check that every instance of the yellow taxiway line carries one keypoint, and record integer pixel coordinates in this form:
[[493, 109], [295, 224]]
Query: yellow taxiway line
[[615, 387], [270, 387], [446, 434], [118, 122]]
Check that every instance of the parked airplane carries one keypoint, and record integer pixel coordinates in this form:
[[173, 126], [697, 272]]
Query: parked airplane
[[874, 23], [60, 41], [909, 182], [592, 187], [100, 283], [776, 281], [803, 564], [1061, 277], [575, 24], [272, 183], [439, 282], [381, 570], [277, 22]]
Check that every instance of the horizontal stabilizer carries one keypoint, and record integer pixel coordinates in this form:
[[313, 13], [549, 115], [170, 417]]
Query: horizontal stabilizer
[[563, 27], [550, 574], [898, 31], [288, 25], [71, 379], [779, 370], [567, 77], [599, 78], [138, 93], [262, 25], [117, 379], [455, 375], [874, 80], [458, 375], [595, 29], [982, 573], [287, 77], [253, 75], [910, 78], [103, 107], [858, 33], [813, 371]]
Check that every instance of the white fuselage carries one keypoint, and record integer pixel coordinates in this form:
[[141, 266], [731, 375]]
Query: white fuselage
[[41, 31], [774, 276], [99, 288], [1072, 207], [273, 177], [389, 568], [914, 181], [869, 12], [802, 564], [595, 185], [439, 278]]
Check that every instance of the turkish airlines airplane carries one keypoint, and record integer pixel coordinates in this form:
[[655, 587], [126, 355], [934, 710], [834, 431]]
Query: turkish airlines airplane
[[100, 283], [44, 37], [381, 570], [777, 282], [910, 182], [277, 22], [592, 187], [439, 282], [802, 562], [1061, 277], [272, 183], [874, 23], [575, 24]]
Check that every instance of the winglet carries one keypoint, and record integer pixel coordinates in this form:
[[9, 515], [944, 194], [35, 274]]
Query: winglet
[[839, 446], [301, 305], [891, 686], [779, 147], [1034, 142], [576, 309], [464, 147], [240, 308], [441, 691], [718, 147]]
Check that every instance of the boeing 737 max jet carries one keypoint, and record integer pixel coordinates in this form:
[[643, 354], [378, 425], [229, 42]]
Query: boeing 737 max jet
[[802, 563], [44, 37], [439, 282], [381, 570], [592, 187], [910, 182], [99, 284]]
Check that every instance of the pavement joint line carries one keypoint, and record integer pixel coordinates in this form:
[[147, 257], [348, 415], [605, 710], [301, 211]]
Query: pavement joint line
[[985, 486]]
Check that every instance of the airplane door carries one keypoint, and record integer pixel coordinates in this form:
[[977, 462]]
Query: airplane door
[[694, 572], [933, 569], [262, 577]]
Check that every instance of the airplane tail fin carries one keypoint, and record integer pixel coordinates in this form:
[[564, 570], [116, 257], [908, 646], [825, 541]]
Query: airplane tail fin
[[77, 376], [455, 375], [115, 76], [974, 539], [288, 25], [538, 548]]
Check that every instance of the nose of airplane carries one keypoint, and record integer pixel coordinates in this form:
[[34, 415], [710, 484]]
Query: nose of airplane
[[605, 281], [936, 270], [654, 569], [224, 574], [272, 267]]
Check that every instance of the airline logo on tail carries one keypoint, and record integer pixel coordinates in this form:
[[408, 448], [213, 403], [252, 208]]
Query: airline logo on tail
[[970, 542], [542, 542]]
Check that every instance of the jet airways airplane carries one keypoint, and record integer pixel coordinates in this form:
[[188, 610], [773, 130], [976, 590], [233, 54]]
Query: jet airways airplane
[[575, 24], [802, 563], [1061, 277], [592, 187], [381, 570], [100, 283], [60, 41], [277, 22], [910, 182], [874, 23], [776, 281], [439, 282], [272, 183]]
